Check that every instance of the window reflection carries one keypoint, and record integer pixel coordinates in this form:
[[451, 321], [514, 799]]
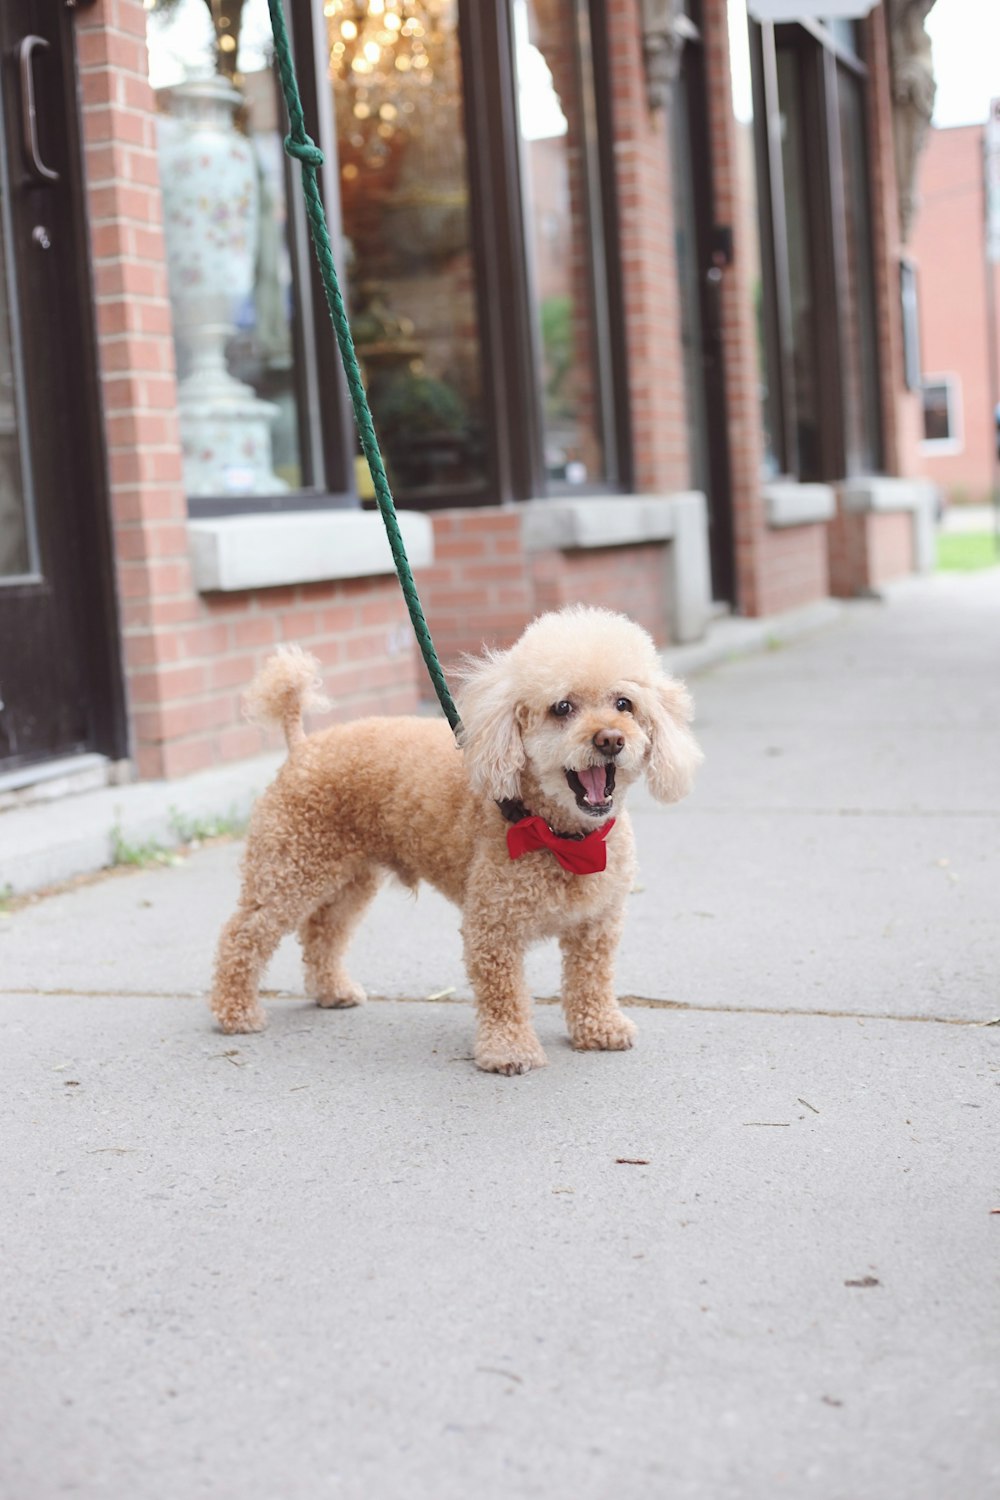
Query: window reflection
[[395, 69], [225, 224]]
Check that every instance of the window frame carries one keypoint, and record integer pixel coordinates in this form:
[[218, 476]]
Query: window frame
[[512, 413], [955, 441], [821, 55]]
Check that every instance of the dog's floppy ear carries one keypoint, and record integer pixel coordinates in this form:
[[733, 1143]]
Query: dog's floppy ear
[[674, 755], [490, 736]]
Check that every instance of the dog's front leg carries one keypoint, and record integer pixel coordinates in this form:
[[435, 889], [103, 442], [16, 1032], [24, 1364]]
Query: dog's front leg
[[593, 1018], [505, 1038]]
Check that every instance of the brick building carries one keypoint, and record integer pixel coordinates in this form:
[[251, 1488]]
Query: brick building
[[624, 278], [958, 346]]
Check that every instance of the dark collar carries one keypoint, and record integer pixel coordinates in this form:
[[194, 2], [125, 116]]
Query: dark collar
[[515, 811]]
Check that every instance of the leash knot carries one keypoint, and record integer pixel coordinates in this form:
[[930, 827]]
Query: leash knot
[[304, 150]]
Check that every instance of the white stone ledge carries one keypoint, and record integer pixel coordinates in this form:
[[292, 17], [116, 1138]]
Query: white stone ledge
[[565, 523], [575, 523], [881, 494], [787, 503], [234, 553]]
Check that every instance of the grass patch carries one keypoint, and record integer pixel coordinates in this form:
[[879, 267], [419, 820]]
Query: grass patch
[[962, 552], [149, 852], [187, 833], [199, 830]]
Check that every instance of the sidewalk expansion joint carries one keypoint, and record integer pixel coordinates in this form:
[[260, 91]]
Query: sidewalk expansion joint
[[635, 1002]]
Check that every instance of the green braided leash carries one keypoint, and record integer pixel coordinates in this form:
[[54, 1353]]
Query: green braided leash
[[299, 145]]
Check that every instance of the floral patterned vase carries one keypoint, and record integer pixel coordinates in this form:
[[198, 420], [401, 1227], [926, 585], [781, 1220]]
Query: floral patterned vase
[[209, 181]]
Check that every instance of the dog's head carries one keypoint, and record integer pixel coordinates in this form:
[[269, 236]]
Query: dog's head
[[580, 708]]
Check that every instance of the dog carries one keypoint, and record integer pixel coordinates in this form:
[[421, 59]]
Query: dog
[[521, 824]]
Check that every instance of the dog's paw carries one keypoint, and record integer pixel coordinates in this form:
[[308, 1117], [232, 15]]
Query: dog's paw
[[341, 996], [509, 1056], [606, 1033], [241, 1022]]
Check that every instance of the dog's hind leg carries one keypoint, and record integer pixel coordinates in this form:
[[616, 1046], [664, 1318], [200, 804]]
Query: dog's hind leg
[[248, 940], [324, 936]]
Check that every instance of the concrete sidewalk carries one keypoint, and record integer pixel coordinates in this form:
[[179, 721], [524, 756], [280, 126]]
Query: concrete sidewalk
[[755, 1257]]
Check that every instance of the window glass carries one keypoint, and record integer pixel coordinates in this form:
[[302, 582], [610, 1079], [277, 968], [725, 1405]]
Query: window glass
[[225, 224], [560, 231], [939, 419], [396, 74], [844, 32], [801, 261]]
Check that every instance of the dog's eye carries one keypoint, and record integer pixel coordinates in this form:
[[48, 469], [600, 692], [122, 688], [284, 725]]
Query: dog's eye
[[562, 709], [623, 705]]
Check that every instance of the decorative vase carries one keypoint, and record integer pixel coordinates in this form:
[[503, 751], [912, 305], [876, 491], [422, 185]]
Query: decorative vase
[[210, 210]]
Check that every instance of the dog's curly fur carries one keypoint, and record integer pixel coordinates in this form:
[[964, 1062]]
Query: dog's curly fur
[[379, 796]]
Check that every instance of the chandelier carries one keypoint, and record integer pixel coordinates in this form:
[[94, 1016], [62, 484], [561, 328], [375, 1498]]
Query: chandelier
[[389, 60]]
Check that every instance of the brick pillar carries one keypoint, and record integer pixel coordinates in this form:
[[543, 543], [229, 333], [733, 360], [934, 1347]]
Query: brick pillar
[[649, 268], [899, 437], [734, 189], [136, 355]]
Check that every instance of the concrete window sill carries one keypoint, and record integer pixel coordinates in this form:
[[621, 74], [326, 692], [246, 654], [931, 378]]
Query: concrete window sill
[[565, 523], [787, 503], [230, 554], [883, 493], [680, 521]]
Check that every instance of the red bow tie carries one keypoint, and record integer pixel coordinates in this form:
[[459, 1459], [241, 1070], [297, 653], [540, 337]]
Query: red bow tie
[[586, 856]]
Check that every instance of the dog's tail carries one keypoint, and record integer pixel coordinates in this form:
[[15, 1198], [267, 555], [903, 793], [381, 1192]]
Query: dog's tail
[[287, 685]]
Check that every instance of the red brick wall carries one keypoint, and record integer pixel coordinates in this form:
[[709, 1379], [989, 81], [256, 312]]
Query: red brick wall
[[948, 245], [187, 658], [890, 546], [627, 579], [186, 701], [478, 590], [868, 550], [483, 588], [794, 568]]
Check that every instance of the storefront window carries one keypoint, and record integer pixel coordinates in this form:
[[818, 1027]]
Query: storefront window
[[226, 229], [396, 74], [801, 253], [560, 233], [464, 183], [810, 90]]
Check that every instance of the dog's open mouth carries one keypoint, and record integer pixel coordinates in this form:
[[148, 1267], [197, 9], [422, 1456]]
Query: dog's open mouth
[[593, 787]]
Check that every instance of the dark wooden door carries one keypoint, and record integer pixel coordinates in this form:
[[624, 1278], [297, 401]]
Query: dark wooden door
[[59, 684]]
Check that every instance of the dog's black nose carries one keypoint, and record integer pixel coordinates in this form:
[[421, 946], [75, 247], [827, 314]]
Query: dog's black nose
[[609, 741]]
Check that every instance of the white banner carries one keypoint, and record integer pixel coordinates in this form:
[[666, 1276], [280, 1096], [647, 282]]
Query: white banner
[[991, 176]]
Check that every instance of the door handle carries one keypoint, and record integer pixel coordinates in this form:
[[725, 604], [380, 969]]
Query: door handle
[[29, 114]]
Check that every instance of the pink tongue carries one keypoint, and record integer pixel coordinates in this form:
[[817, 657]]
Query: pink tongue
[[594, 780]]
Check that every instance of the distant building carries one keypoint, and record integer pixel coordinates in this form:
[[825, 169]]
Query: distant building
[[624, 278], [959, 434]]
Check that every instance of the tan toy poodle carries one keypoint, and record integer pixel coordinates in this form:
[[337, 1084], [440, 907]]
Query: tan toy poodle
[[523, 828]]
